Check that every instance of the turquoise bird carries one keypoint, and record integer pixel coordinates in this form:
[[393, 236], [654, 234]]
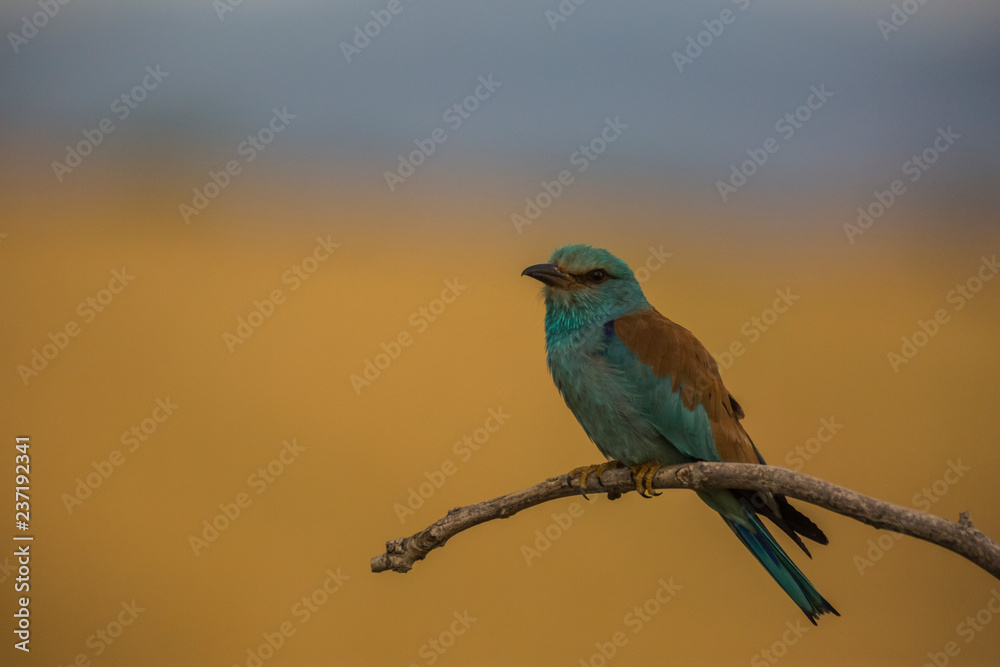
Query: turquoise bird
[[649, 394]]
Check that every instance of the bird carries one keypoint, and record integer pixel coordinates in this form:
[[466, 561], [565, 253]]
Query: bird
[[649, 394]]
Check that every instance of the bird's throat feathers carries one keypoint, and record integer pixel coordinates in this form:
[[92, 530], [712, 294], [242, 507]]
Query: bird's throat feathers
[[567, 314]]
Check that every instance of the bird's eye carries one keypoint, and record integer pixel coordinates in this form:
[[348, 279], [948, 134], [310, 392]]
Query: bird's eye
[[598, 275]]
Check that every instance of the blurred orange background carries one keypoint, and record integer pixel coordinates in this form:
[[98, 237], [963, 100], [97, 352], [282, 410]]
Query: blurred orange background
[[334, 503]]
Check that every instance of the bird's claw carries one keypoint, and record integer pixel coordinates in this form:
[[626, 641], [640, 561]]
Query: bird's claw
[[643, 474], [586, 471]]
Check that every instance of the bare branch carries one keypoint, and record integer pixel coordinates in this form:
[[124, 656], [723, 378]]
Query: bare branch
[[400, 554]]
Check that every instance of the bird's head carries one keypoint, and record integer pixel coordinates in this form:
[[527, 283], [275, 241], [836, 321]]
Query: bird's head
[[586, 285]]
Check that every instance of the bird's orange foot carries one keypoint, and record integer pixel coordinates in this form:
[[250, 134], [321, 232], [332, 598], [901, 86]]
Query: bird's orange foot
[[643, 475], [586, 471]]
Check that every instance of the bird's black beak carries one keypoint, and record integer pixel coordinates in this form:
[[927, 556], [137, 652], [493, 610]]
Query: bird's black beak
[[550, 274]]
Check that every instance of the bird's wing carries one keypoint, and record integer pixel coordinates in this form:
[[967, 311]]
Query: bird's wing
[[676, 384], [684, 395]]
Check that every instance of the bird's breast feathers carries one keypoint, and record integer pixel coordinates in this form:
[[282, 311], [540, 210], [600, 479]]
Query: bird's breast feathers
[[601, 397], [644, 388]]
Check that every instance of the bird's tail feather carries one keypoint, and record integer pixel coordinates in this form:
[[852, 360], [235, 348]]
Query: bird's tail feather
[[769, 553], [787, 518]]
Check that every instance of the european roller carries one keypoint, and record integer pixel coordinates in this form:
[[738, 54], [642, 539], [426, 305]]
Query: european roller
[[649, 394]]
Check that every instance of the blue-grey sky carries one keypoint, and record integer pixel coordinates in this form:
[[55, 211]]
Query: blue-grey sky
[[892, 90]]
